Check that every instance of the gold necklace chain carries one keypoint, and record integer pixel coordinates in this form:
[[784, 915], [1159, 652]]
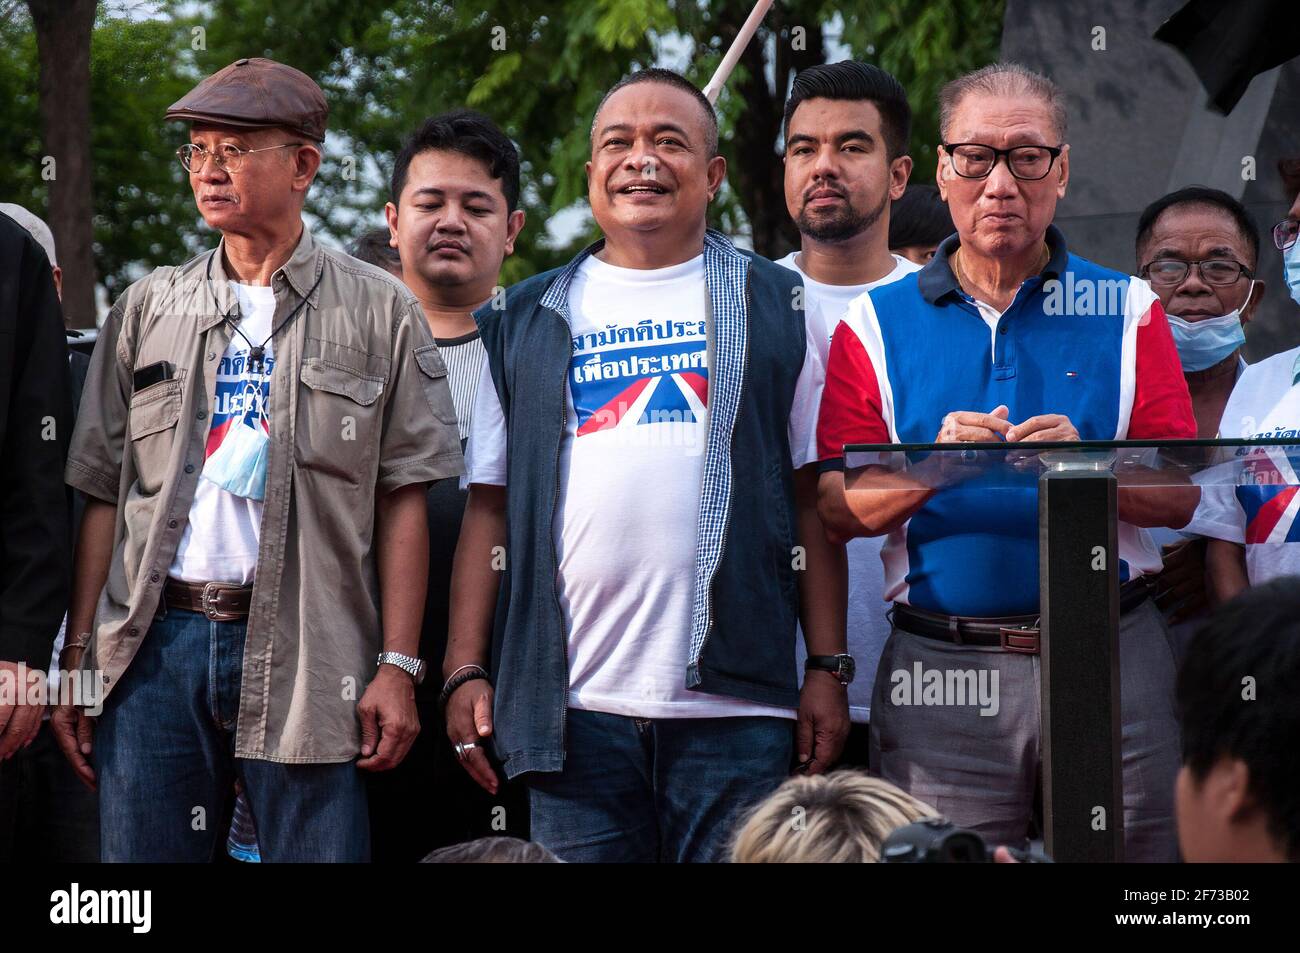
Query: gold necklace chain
[[1044, 256]]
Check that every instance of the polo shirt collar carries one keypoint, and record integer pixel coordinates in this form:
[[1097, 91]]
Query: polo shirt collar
[[937, 279]]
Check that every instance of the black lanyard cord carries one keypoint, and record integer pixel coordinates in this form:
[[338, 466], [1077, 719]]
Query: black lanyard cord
[[256, 351]]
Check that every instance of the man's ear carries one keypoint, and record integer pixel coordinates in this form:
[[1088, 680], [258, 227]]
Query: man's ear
[[390, 217], [717, 173], [900, 170], [1064, 163], [1227, 790], [1252, 306], [514, 225], [306, 162], [941, 173]]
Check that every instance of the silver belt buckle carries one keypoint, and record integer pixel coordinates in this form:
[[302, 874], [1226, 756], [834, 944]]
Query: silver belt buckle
[[210, 593]]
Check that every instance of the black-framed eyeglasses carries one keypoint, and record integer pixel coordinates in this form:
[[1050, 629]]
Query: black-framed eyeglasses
[[1171, 272], [1285, 233], [974, 160], [226, 156]]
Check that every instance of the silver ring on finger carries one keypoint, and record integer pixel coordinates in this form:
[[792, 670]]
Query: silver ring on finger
[[463, 748]]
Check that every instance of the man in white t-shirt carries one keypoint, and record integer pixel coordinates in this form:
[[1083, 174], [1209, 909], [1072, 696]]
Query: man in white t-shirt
[[639, 465], [1253, 525], [846, 133]]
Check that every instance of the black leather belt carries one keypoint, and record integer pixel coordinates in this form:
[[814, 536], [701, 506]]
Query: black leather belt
[[1013, 633], [219, 601]]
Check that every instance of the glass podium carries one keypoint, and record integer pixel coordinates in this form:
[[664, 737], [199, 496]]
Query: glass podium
[[1087, 496]]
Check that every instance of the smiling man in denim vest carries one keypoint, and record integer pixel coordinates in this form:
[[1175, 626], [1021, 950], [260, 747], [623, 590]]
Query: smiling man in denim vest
[[654, 516]]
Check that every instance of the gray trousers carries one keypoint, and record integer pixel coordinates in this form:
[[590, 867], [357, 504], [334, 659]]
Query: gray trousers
[[981, 769]]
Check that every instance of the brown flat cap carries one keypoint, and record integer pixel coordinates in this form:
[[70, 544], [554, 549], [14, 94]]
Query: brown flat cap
[[257, 93]]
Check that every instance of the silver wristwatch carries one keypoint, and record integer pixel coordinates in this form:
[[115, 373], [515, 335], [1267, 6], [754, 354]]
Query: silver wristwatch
[[413, 667]]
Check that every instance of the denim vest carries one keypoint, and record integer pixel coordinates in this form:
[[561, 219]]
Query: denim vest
[[745, 602]]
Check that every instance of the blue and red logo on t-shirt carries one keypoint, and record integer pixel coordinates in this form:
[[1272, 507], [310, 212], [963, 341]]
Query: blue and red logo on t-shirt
[[1267, 494], [640, 383], [242, 397]]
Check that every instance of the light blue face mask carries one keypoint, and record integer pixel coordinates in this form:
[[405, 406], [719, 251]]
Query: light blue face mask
[[1291, 267], [1206, 342], [239, 465]]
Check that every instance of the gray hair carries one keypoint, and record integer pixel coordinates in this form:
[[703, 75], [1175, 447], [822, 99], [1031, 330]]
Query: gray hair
[[1007, 80], [35, 227], [493, 850]]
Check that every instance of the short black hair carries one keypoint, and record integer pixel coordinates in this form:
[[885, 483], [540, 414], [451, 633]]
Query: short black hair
[[372, 247], [666, 77], [470, 133], [851, 80], [1237, 698], [920, 216], [1200, 195]]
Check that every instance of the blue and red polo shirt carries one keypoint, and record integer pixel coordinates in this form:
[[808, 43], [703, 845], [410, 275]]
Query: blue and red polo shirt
[[1079, 340]]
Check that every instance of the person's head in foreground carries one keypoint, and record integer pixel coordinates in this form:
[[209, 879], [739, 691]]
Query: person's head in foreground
[[837, 818], [493, 850], [1238, 793]]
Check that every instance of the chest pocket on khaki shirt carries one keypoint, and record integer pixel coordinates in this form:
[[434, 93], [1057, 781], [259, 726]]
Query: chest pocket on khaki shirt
[[339, 419], [152, 425]]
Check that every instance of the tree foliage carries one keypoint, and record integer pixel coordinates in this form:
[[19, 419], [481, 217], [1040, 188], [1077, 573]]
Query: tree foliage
[[538, 68]]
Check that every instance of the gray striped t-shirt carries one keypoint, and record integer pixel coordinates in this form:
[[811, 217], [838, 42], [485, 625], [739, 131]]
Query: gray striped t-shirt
[[464, 358]]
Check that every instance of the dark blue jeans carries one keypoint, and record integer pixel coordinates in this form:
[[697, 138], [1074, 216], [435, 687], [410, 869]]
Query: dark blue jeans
[[635, 790], [164, 756]]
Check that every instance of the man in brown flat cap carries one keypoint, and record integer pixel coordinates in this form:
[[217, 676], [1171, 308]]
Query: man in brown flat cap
[[258, 430]]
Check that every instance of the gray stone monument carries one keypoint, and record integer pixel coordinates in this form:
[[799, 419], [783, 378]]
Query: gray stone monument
[[1139, 128]]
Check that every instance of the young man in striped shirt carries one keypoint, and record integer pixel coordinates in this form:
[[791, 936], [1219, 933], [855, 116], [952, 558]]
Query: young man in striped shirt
[[453, 218]]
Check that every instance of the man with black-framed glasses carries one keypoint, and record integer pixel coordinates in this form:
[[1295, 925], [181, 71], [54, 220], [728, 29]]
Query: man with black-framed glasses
[[1004, 335], [258, 430]]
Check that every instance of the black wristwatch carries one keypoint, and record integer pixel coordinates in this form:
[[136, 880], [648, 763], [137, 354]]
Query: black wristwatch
[[841, 666]]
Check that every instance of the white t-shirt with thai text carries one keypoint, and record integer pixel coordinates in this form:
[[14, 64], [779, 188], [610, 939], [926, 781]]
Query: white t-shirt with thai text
[[630, 473], [1260, 513], [221, 537]]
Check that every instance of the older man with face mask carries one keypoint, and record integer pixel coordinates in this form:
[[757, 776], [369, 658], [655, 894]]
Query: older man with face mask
[[1004, 335], [258, 429], [655, 516], [1198, 249]]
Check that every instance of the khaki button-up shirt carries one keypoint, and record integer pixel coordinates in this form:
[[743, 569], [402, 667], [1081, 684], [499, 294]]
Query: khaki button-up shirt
[[359, 406]]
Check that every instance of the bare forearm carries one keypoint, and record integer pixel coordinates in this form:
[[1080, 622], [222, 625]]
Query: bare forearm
[[824, 579], [90, 566], [403, 532], [1148, 497], [1225, 564], [867, 503], [476, 578]]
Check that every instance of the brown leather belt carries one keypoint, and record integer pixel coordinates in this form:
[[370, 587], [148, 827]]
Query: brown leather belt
[[219, 601], [1013, 633]]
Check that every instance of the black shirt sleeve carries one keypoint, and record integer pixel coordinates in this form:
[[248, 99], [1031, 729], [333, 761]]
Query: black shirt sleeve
[[35, 427]]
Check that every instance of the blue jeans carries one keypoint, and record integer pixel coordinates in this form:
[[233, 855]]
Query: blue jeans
[[164, 756], [635, 790]]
